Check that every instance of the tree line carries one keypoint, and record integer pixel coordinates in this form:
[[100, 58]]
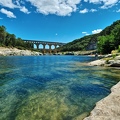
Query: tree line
[[10, 40]]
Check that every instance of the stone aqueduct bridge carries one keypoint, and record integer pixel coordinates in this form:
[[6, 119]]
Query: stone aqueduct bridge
[[44, 43]]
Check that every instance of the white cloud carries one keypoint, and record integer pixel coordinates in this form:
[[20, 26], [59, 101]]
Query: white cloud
[[104, 3], [58, 7], [19, 2], [84, 32], [84, 11], [96, 31], [8, 3], [85, 0], [8, 13], [15, 4], [93, 32], [118, 10], [109, 3], [95, 1], [1, 18], [93, 10], [24, 9]]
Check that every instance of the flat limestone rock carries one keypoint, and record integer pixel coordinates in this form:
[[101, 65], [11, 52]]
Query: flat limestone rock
[[117, 57], [16, 52], [107, 108], [100, 62]]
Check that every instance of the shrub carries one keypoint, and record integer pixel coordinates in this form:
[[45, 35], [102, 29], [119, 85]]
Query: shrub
[[119, 48]]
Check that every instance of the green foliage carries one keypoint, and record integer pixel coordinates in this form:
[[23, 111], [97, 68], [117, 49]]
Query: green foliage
[[79, 44], [106, 41], [109, 38], [105, 44], [119, 48], [10, 40], [2, 34]]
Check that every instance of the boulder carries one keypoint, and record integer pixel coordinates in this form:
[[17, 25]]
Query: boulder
[[117, 57], [108, 55], [100, 62], [114, 63]]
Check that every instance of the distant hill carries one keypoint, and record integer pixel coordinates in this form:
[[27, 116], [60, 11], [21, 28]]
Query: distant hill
[[105, 41]]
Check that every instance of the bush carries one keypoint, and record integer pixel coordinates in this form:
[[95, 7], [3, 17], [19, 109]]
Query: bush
[[20, 47], [119, 48]]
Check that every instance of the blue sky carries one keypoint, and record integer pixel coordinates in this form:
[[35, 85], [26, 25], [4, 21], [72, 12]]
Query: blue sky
[[57, 20]]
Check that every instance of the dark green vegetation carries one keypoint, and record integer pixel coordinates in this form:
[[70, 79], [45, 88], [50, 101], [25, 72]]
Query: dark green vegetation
[[80, 44], [109, 38], [10, 40], [104, 42]]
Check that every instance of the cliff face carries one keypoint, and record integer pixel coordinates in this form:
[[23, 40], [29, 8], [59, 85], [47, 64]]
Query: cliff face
[[108, 108], [92, 45]]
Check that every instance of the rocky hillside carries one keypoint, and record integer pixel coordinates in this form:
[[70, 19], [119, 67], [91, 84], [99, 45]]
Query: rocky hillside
[[84, 43], [109, 39]]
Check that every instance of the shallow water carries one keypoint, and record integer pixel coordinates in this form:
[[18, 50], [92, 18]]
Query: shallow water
[[51, 87]]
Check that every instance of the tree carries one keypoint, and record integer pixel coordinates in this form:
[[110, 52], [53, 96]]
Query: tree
[[2, 34], [10, 40], [117, 36], [105, 44]]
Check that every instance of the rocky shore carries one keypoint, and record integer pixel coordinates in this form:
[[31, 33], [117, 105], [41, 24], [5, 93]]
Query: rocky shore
[[16, 52], [109, 107], [107, 61]]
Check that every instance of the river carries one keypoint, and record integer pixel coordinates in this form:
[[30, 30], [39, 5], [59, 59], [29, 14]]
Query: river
[[52, 87]]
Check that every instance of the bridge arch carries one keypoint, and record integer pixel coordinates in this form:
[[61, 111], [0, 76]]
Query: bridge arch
[[40, 46], [52, 47]]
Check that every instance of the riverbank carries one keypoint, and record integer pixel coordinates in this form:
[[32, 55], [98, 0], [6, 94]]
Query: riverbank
[[109, 107], [107, 61], [16, 52]]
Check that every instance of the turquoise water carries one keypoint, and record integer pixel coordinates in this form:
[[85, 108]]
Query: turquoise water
[[51, 87]]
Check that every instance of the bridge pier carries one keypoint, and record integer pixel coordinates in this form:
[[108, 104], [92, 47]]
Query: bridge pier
[[44, 48], [50, 50], [55, 48], [37, 44]]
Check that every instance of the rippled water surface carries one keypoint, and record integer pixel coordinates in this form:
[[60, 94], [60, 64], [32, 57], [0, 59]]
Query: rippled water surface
[[51, 87]]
